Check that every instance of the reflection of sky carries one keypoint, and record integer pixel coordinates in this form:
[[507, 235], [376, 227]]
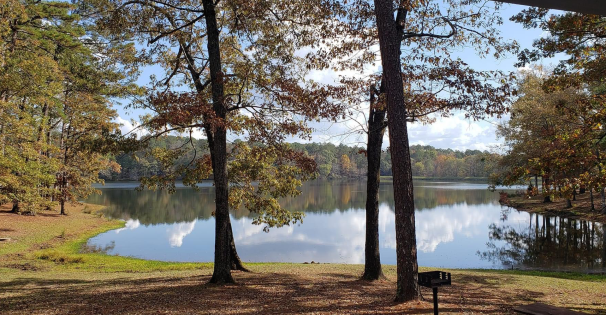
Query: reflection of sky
[[176, 232], [447, 236]]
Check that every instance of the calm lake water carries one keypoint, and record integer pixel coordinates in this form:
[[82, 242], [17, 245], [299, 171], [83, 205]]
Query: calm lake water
[[459, 225]]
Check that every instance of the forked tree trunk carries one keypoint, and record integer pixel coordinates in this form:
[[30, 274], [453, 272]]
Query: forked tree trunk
[[236, 262], [376, 130], [217, 139], [406, 246]]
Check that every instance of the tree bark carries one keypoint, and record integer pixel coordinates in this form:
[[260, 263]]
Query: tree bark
[[545, 190], [217, 139], [236, 262], [376, 130], [406, 247], [16, 207]]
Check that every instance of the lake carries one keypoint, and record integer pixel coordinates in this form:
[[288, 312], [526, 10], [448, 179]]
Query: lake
[[459, 225]]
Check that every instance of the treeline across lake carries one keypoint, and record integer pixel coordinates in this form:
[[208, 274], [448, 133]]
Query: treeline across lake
[[333, 161]]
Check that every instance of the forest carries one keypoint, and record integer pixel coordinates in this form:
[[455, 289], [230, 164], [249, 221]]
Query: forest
[[260, 71], [332, 161]]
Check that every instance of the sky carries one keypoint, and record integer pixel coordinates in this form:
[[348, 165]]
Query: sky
[[454, 132]]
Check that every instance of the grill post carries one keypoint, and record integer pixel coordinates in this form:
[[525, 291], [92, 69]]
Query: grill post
[[433, 280], [435, 301]]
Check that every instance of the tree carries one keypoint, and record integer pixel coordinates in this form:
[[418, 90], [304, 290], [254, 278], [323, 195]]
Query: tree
[[376, 130], [221, 59], [533, 134], [28, 81], [345, 164], [581, 38], [427, 79], [46, 63]]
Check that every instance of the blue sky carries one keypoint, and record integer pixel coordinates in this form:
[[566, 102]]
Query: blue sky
[[453, 132]]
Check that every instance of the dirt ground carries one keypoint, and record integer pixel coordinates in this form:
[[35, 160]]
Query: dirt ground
[[282, 289]]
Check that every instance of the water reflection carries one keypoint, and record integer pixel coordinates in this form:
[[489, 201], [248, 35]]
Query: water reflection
[[154, 207], [454, 222], [548, 243]]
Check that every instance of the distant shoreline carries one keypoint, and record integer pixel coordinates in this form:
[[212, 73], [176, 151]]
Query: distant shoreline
[[581, 208]]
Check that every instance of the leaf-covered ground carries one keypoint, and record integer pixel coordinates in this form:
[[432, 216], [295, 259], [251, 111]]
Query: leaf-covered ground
[[43, 271], [281, 289]]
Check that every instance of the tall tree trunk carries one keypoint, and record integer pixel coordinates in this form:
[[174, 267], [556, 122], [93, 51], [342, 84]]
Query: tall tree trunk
[[591, 198], [406, 246], [16, 207], [65, 148], [376, 130], [235, 261], [217, 139], [546, 190]]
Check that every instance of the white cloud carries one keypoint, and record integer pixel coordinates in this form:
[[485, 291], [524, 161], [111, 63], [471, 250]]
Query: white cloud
[[129, 225], [127, 127], [178, 231], [456, 133]]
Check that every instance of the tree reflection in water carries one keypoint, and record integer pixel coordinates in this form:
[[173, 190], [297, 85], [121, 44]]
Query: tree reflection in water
[[548, 242], [186, 204], [454, 221]]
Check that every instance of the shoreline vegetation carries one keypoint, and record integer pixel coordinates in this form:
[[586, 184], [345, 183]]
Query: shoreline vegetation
[[581, 208], [334, 162], [48, 254]]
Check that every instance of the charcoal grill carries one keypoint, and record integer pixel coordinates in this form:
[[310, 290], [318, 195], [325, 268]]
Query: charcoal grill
[[434, 280]]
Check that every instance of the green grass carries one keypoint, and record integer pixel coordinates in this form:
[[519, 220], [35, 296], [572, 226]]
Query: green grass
[[579, 276], [69, 255], [49, 242]]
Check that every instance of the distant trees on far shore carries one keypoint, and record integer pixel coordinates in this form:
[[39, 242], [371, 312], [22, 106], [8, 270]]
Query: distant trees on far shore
[[333, 161]]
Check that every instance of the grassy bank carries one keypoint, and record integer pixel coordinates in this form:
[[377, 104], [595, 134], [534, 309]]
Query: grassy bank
[[581, 208], [50, 241], [43, 270]]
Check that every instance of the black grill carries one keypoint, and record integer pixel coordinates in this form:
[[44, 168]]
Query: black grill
[[434, 280]]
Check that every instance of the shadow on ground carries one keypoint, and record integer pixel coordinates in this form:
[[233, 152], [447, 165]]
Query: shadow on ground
[[259, 292]]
